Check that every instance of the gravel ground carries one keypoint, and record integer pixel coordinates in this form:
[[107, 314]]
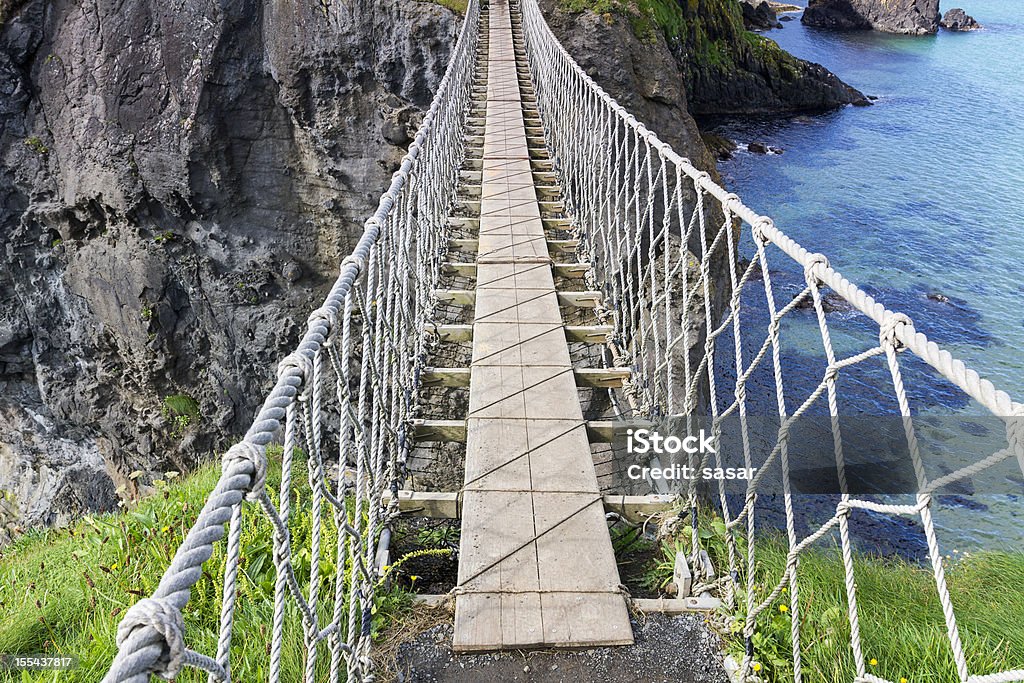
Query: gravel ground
[[667, 650]]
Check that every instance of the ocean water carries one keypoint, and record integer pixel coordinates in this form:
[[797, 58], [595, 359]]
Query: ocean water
[[918, 199]]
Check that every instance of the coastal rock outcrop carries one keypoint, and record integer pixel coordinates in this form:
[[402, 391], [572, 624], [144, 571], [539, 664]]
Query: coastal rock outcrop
[[915, 17], [958, 20], [759, 15]]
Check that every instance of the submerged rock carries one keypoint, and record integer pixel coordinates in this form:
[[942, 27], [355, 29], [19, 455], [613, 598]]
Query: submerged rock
[[958, 20], [914, 17], [721, 147]]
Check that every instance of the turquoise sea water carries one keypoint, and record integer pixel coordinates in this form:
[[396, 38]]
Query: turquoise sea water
[[918, 199]]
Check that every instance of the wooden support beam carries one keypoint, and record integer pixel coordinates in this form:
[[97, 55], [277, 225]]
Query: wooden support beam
[[573, 270], [552, 192], [467, 297], [447, 504], [580, 299], [669, 606], [601, 378], [607, 431], [458, 297], [469, 245], [563, 246], [435, 505], [587, 334], [453, 333], [557, 223], [468, 222], [445, 377], [439, 430], [463, 269]]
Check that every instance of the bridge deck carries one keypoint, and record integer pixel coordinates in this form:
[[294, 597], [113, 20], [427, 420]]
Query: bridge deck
[[536, 565]]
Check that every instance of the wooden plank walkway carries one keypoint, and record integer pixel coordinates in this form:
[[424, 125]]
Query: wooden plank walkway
[[536, 566]]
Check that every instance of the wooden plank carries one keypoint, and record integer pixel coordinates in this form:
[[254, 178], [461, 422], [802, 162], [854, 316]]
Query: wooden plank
[[586, 334], [528, 461], [447, 505], [601, 378]]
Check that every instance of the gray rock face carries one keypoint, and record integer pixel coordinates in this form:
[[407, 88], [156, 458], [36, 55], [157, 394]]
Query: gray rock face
[[178, 184], [759, 15], [915, 17], [958, 20], [643, 77]]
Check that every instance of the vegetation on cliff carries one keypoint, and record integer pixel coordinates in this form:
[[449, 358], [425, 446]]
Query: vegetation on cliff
[[727, 69]]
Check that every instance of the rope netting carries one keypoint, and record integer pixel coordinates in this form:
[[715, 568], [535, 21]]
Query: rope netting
[[345, 394], [687, 272]]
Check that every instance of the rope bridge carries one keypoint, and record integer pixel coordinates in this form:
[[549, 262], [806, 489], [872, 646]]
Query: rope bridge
[[686, 272]]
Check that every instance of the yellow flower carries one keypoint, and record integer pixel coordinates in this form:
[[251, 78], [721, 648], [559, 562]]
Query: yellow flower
[[165, 529], [414, 577], [873, 662], [756, 667], [903, 680], [783, 609]]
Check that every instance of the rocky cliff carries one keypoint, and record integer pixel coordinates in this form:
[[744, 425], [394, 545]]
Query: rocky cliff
[[179, 182], [704, 49], [914, 17], [177, 185]]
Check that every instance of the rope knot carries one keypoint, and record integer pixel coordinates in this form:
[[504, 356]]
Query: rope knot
[[831, 373], [760, 230], [352, 259], [244, 451], [887, 331], [1015, 432], [328, 317], [300, 365], [702, 178], [813, 261], [164, 618]]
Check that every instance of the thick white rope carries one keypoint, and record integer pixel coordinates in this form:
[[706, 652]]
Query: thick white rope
[[378, 326]]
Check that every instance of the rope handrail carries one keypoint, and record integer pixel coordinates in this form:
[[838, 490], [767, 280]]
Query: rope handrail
[[667, 245], [387, 279]]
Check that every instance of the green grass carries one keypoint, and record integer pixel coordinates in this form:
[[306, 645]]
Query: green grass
[[458, 6], [647, 18], [902, 627], [64, 591]]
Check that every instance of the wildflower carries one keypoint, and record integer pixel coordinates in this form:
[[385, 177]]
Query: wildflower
[[903, 679], [783, 609], [873, 662], [413, 577], [756, 666], [165, 529]]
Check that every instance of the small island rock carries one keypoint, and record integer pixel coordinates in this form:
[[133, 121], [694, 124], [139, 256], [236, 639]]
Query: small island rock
[[758, 14], [958, 20]]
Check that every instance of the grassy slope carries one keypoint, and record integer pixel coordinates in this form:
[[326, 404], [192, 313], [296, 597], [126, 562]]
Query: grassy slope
[[901, 622], [63, 591]]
